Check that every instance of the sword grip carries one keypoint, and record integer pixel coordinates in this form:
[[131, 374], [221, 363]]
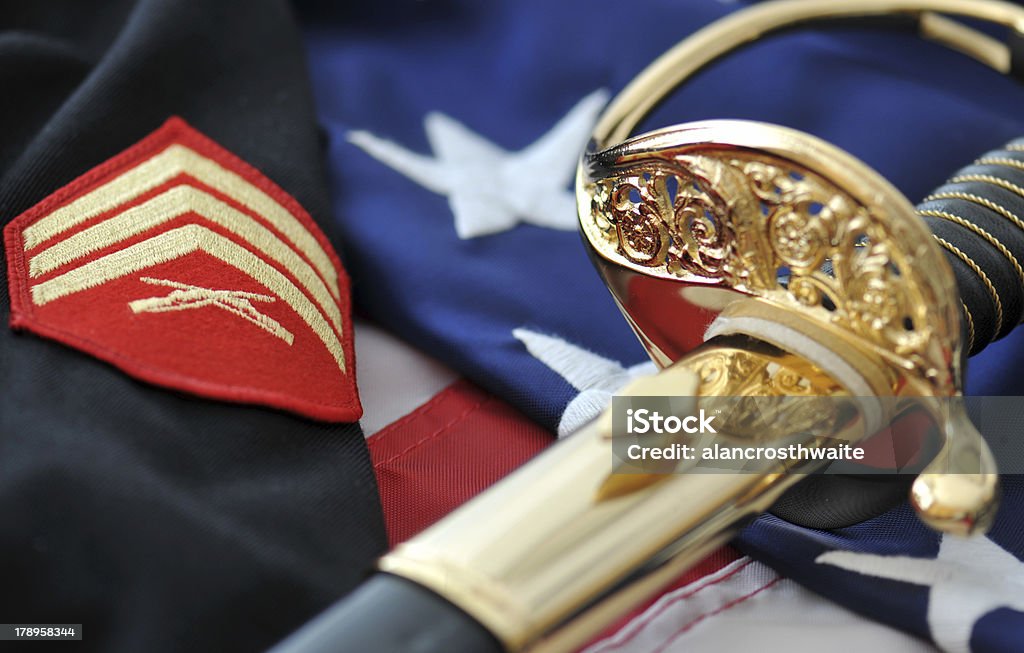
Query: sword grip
[[977, 216]]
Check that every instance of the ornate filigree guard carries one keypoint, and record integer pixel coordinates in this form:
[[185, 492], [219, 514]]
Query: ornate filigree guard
[[752, 221]]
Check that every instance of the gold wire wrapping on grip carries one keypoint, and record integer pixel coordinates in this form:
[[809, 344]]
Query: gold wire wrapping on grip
[[995, 207], [984, 235], [979, 200], [969, 262], [970, 327], [989, 179]]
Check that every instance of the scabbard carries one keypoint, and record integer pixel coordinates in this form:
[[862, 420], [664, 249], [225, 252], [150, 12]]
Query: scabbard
[[388, 614]]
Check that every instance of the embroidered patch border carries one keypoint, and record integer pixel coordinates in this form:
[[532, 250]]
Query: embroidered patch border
[[178, 194]]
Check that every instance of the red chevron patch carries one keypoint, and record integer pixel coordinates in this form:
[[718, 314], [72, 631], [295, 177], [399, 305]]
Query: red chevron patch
[[185, 267]]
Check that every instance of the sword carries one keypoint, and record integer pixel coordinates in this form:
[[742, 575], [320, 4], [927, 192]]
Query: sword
[[804, 272]]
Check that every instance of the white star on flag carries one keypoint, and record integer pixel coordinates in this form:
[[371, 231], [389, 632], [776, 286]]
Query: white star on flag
[[968, 579], [489, 189], [596, 377]]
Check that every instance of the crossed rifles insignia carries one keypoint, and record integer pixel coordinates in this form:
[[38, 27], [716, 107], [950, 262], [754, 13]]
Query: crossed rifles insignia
[[236, 302]]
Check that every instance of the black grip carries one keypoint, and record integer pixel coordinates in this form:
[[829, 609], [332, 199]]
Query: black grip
[[978, 218]]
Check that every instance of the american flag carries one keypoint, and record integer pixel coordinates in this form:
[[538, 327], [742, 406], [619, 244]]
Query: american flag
[[454, 129]]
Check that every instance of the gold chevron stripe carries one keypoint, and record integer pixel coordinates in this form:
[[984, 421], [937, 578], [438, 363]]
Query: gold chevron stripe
[[173, 161], [174, 244], [170, 205]]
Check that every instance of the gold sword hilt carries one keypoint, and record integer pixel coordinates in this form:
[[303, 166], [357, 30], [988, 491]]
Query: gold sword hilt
[[746, 228]]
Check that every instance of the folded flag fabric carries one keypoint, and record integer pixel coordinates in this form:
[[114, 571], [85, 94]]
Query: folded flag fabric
[[453, 132]]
